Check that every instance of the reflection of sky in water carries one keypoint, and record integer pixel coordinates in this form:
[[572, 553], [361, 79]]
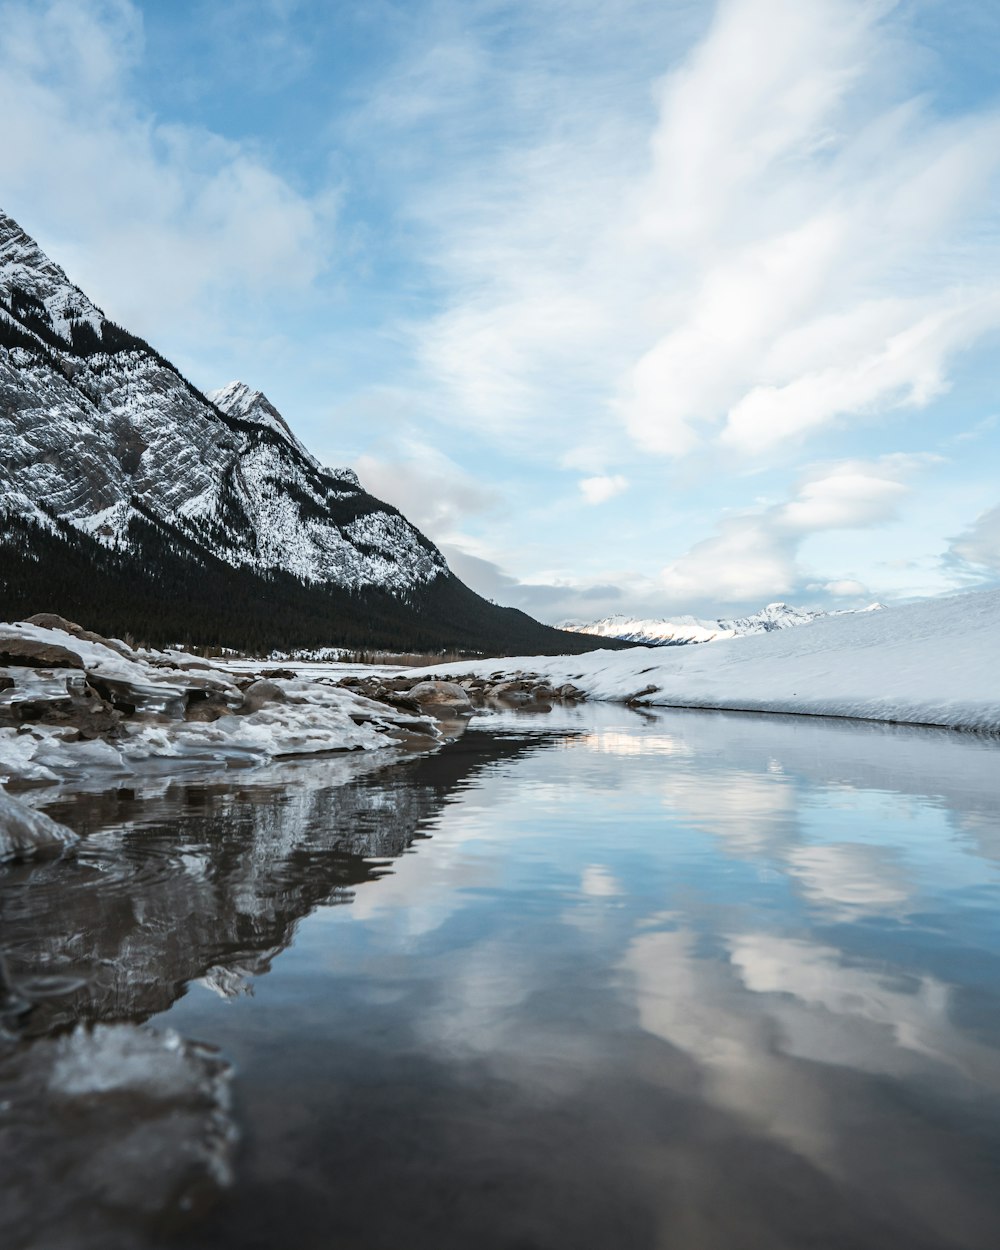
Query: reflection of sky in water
[[783, 933]]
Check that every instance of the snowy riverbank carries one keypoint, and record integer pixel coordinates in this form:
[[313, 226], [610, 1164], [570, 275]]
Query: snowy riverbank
[[936, 662], [73, 704]]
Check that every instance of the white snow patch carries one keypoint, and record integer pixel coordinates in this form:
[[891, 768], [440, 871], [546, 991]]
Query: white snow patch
[[936, 662]]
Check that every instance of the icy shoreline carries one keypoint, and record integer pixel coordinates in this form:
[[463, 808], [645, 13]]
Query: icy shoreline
[[73, 704], [931, 663]]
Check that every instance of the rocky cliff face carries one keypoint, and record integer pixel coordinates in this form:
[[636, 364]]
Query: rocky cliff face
[[97, 427]]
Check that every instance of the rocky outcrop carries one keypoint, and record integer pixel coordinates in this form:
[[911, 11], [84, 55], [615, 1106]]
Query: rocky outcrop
[[71, 701]]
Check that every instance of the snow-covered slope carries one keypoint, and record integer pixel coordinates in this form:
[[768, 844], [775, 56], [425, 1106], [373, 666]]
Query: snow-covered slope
[[935, 662], [97, 426], [661, 632]]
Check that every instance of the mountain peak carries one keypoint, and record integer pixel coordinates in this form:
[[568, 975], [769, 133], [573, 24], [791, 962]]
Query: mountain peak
[[36, 292], [236, 399], [239, 400]]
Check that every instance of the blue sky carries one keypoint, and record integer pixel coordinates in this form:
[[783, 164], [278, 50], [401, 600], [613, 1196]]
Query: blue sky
[[648, 307]]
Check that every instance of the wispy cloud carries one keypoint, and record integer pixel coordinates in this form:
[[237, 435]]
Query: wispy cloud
[[791, 238]]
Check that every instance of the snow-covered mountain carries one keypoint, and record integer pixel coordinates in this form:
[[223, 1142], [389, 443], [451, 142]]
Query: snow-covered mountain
[[97, 426], [105, 441], [681, 630]]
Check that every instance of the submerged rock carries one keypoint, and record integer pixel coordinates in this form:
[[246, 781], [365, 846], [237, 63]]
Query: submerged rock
[[25, 833]]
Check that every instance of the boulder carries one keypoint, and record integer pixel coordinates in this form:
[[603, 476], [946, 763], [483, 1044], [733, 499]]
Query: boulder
[[441, 698], [16, 649], [25, 832]]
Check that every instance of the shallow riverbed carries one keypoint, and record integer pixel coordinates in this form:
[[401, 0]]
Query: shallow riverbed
[[600, 978]]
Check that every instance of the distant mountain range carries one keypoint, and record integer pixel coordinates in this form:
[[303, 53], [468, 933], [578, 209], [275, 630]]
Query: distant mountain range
[[137, 504], [682, 630]]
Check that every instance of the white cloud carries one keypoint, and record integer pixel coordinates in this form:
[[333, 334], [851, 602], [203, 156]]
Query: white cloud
[[845, 588], [600, 489], [169, 227], [753, 555], [430, 489], [975, 554], [817, 217]]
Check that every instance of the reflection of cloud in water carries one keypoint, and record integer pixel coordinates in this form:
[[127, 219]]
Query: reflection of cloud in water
[[597, 881], [851, 877], [955, 772], [694, 1004], [752, 813], [751, 1020], [911, 1012], [614, 742]]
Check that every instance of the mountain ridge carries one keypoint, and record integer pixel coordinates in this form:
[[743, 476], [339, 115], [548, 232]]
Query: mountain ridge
[[687, 630], [107, 443]]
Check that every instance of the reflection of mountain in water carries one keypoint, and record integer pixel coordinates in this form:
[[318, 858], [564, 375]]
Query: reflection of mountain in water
[[209, 880]]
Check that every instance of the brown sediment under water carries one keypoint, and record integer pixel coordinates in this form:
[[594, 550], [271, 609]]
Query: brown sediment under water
[[600, 978]]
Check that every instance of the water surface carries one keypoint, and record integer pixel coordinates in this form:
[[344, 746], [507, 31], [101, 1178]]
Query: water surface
[[603, 978]]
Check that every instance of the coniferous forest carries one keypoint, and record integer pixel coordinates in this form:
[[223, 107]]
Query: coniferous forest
[[161, 589]]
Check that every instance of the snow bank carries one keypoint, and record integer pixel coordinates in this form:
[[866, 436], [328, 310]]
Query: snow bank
[[933, 663]]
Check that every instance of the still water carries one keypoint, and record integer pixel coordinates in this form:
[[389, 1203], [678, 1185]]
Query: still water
[[599, 979]]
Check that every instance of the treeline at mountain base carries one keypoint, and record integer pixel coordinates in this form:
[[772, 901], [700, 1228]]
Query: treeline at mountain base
[[160, 590]]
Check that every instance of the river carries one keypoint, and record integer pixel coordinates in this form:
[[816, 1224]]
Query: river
[[602, 978]]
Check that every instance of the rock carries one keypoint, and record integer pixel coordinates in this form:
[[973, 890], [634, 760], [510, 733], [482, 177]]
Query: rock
[[510, 692], [215, 689], [641, 694], [51, 620], [25, 832], [405, 702], [260, 692], [16, 649], [441, 698], [279, 674]]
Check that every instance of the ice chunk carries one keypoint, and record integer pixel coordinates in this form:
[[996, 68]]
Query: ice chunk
[[25, 832]]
